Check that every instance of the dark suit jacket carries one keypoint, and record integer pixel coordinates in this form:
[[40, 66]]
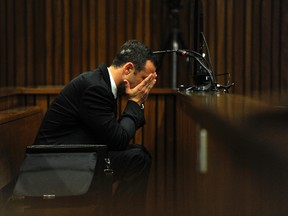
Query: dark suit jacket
[[84, 112]]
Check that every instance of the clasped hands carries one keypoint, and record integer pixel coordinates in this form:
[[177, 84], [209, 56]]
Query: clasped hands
[[140, 93]]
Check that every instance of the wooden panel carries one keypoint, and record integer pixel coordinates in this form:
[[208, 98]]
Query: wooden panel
[[18, 128], [246, 172], [3, 44], [229, 45], [283, 52], [276, 38], [75, 36], [220, 40], [67, 41], [10, 41], [58, 45], [49, 37], [248, 49], [39, 43], [30, 79], [266, 45], [185, 156], [20, 55], [50, 42], [101, 27]]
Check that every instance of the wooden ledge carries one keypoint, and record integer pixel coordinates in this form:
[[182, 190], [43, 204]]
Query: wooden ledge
[[38, 90], [18, 113]]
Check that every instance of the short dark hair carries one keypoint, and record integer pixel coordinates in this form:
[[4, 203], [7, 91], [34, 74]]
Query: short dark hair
[[136, 52]]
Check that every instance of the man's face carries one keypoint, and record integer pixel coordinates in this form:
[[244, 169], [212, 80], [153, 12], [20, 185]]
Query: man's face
[[135, 79]]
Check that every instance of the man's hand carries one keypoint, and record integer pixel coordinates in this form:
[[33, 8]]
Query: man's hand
[[140, 93]]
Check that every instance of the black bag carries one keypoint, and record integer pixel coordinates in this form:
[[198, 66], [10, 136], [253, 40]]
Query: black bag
[[65, 172]]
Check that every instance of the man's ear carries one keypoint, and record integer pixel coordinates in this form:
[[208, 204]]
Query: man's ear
[[128, 68]]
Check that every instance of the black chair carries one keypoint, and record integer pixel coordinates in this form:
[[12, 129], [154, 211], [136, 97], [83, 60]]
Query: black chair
[[63, 180]]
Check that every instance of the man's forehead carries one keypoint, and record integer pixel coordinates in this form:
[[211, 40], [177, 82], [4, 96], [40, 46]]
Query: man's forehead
[[150, 66]]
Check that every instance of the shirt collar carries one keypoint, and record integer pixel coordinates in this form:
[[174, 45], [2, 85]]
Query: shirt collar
[[113, 85]]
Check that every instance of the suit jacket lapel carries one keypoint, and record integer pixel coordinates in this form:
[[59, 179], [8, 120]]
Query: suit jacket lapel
[[105, 74], [106, 78]]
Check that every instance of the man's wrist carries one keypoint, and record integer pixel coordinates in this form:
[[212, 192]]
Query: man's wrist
[[141, 105]]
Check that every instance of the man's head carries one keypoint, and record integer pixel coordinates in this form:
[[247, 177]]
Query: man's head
[[135, 52], [135, 61]]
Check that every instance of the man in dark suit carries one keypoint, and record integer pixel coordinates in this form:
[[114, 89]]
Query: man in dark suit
[[86, 112]]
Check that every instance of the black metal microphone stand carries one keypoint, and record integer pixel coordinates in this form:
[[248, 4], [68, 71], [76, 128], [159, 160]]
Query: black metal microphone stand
[[174, 41]]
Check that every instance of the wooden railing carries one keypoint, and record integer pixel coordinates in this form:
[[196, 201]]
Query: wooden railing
[[18, 128]]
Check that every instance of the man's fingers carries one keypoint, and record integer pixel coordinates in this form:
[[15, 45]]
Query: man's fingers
[[150, 80], [141, 91]]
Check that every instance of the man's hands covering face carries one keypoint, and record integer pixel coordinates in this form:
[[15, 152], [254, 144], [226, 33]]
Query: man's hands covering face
[[140, 93]]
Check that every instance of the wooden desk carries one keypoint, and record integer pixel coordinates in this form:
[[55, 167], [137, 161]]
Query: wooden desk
[[228, 160]]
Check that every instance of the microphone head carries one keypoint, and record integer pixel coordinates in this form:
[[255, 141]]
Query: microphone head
[[181, 52]]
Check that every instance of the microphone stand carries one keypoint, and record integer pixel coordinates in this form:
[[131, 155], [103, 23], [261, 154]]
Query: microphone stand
[[212, 85], [174, 40]]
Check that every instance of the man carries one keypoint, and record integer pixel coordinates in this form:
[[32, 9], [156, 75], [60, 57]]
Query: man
[[85, 112]]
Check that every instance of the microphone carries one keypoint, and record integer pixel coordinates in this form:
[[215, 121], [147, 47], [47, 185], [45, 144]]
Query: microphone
[[189, 53], [183, 52]]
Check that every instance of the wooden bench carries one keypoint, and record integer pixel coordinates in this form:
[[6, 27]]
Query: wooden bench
[[18, 128]]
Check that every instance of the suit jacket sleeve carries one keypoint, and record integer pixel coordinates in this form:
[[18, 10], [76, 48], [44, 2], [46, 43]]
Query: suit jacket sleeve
[[97, 112]]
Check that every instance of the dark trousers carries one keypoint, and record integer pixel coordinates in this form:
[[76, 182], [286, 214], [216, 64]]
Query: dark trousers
[[131, 170]]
